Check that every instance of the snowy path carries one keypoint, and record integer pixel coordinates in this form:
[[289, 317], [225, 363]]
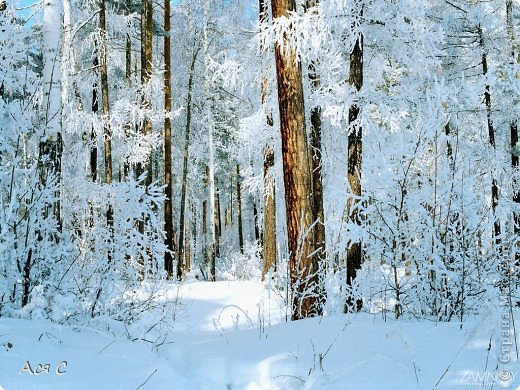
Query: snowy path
[[233, 335]]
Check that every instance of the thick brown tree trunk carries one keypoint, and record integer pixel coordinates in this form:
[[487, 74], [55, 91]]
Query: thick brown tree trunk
[[354, 251], [168, 181], [303, 264]]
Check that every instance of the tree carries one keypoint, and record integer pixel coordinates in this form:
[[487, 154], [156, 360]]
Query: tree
[[355, 153], [182, 213], [210, 168], [168, 181], [318, 215], [303, 264], [269, 196], [105, 107]]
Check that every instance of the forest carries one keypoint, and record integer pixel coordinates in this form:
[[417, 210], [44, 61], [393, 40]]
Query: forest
[[351, 158]]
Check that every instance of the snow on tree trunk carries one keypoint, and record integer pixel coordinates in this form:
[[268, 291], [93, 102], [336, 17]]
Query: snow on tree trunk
[[354, 252]]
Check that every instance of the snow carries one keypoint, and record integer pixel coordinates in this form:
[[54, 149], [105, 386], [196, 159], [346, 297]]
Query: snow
[[234, 335]]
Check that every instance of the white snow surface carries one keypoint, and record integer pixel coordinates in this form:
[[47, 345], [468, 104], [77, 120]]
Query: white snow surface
[[234, 335]]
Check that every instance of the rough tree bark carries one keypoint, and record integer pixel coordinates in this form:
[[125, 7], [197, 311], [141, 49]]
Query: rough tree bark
[[354, 252], [303, 265]]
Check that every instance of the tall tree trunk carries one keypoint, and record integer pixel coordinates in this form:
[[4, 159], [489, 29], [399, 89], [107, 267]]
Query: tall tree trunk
[[51, 145], [239, 214], [128, 82], [182, 222], [168, 181], [303, 264], [318, 215], [105, 111], [491, 134], [354, 252], [269, 198], [146, 74], [211, 166], [105, 107]]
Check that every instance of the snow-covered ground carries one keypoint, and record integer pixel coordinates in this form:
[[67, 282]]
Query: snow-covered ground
[[233, 335]]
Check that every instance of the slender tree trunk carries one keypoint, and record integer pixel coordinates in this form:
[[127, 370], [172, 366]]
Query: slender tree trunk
[[211, 166], [105, 107], [218, 225], [105, 111], [168, 181], [239, 214], [303, 264], [255, 220], [491, 134], [318, 215], [128, 82], [269, 198], [185, 166], [146, 74], [93, 136], [187, 254], [269, 239], [354, 252], [204, 237]]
